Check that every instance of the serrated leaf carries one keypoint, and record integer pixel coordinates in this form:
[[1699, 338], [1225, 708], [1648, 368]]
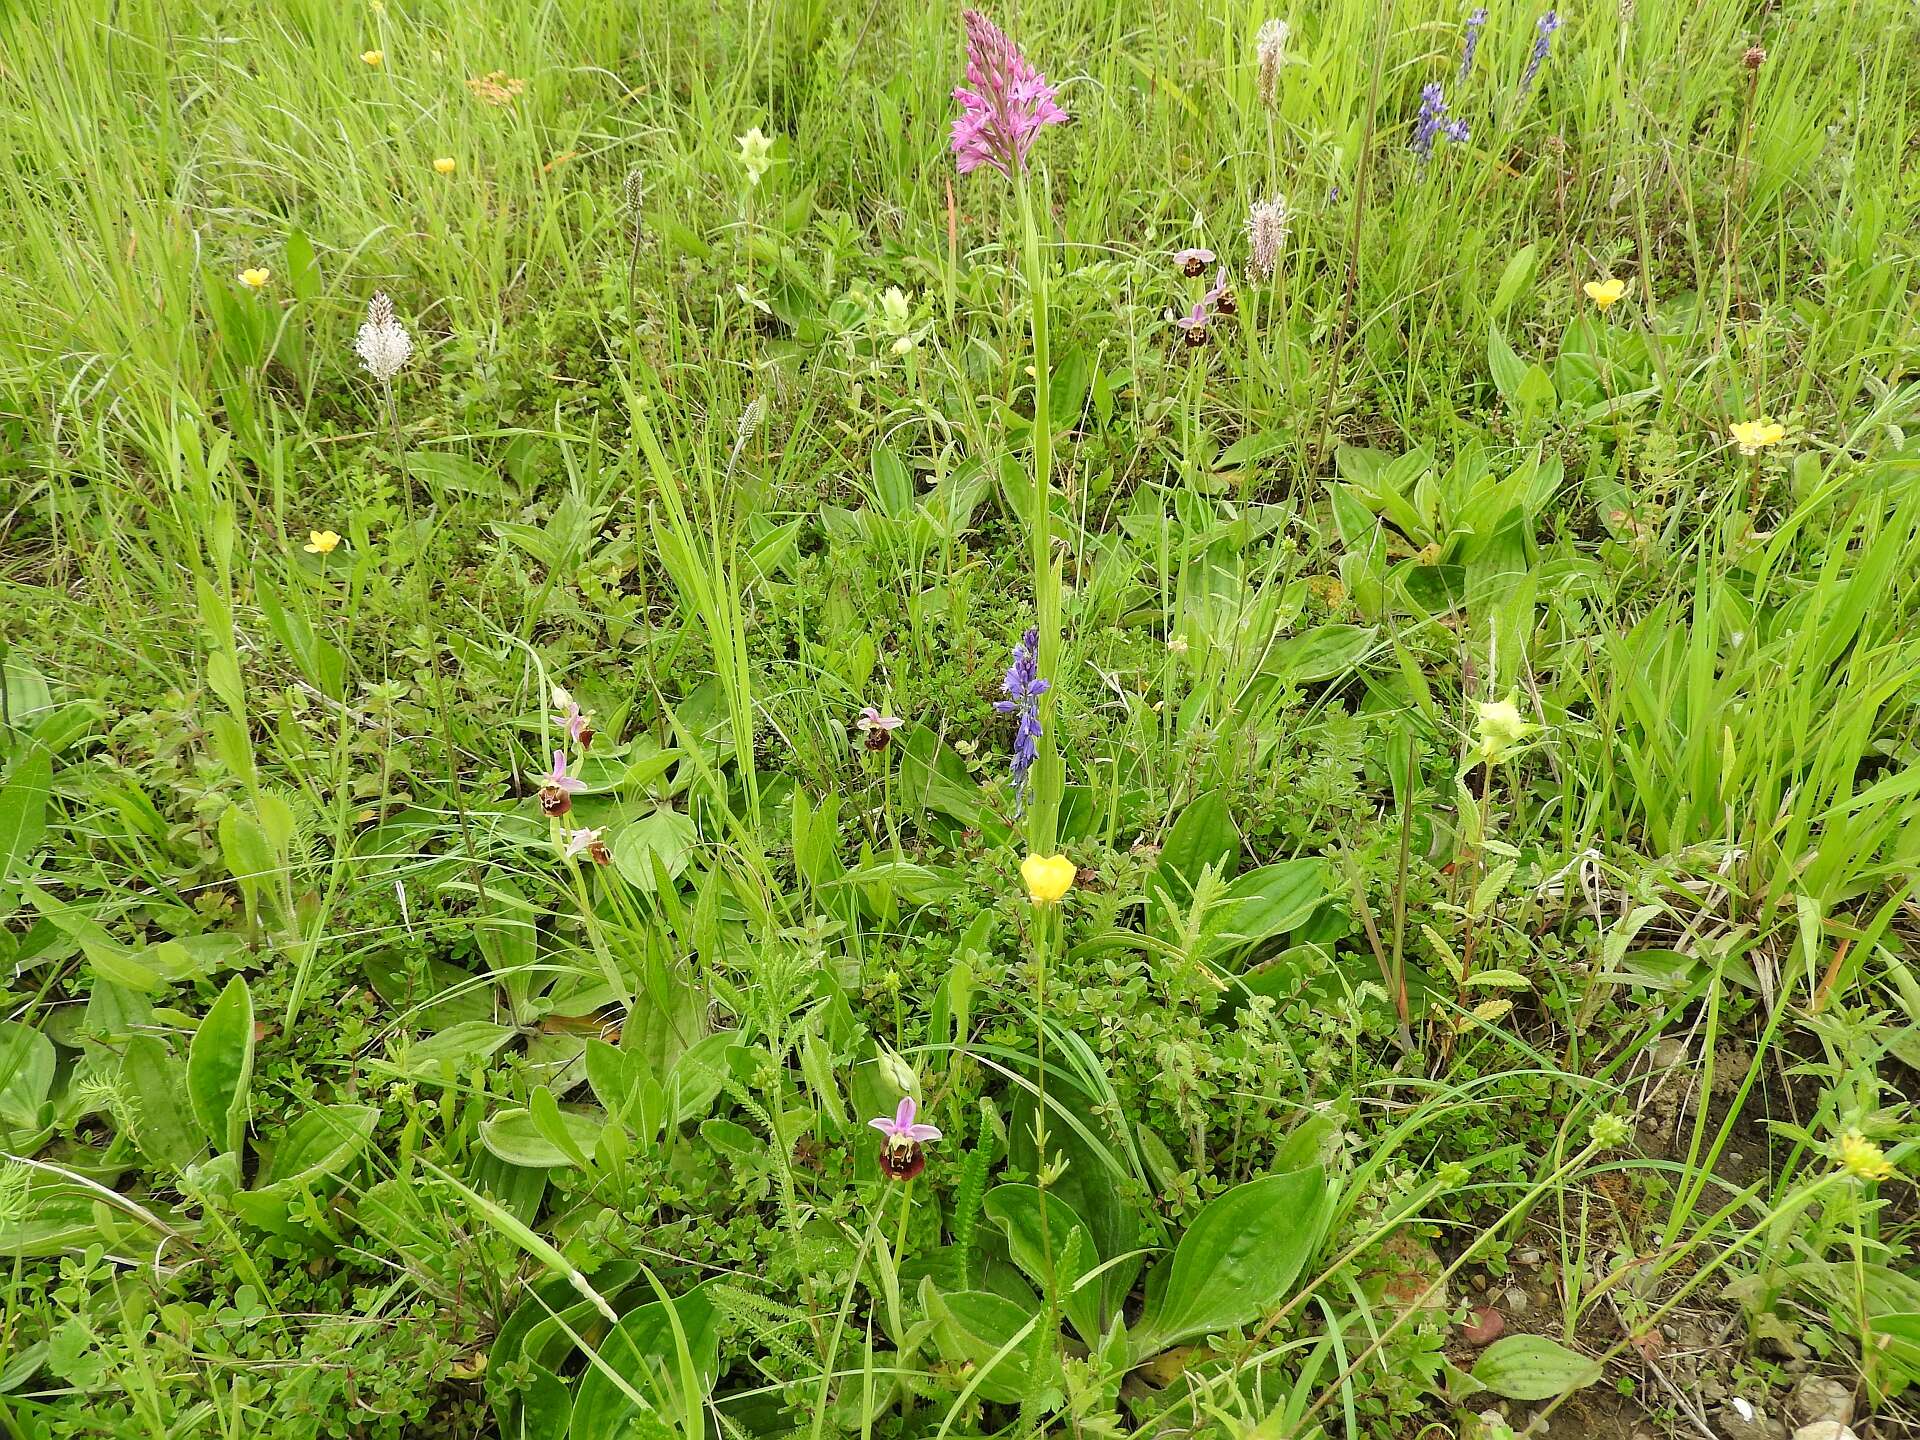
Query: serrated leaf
[[1500, 979]]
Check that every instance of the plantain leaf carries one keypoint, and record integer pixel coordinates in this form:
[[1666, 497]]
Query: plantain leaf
[[1532, 1367], [1239, 1258], [220, 1068]]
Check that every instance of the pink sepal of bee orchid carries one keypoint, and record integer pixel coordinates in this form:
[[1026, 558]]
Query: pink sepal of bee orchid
[[901, 1125]]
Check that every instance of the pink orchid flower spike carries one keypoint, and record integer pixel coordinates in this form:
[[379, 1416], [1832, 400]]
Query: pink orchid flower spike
[[1004, 104]]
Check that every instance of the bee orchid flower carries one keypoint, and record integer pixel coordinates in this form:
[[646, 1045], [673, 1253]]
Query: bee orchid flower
[[876, 730], [557, 787], [576, 722], [588, 843], [1193, 261], [901, 1157]]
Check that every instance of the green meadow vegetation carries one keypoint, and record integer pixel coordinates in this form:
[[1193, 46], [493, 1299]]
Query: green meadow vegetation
[[702, 743]]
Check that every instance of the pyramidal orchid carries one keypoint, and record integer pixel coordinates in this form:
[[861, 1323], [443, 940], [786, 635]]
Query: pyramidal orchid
[[1004, 104], [900, 1156], [557, 787]]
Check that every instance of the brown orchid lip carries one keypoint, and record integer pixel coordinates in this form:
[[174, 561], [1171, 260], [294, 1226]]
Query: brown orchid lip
[[902, 1161], [554, 801]]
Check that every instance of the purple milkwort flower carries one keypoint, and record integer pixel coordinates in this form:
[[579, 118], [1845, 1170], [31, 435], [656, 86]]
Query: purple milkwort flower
[[558, 788], [1433, 123], [1476, 22], [900, 1157], [1023, 688], [1193, 261], [1542, 43], [1004, 104], [876, 729]]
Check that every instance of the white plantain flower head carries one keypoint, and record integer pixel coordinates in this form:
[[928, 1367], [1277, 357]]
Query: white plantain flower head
[[1270, 52], [383, 343], [1267, 223]]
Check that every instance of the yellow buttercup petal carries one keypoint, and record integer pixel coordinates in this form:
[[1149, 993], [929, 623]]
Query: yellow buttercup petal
[[321, 542], [1048, 877], [1605, 292], [254, 277], [373, 57], [1753, 436], [446, 164]]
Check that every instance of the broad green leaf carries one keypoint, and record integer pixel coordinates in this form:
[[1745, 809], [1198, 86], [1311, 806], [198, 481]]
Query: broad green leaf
[[163, 1124], [666, 836], [1325, 652], [1532, 1367], [460, 1046], [1203, 835], [516, 1137], [220, 1068], [1513, 279], [318, 1145], [303, 268], [26, 1075], [972, 1326], [1269, 901], [1508, 369], [23, 809], [1016, 1210], [1240, 1257], [644, 1352]]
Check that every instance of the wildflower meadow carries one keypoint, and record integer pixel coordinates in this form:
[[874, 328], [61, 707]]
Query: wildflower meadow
[[851, 720]]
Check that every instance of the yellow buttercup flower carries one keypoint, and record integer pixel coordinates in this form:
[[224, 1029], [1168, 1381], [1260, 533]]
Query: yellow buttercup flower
[[446, 164], [1604, 292], [1048, 877], [255, 278], [1753, 436], [321, 542], [375, 58], [1861, 1158]]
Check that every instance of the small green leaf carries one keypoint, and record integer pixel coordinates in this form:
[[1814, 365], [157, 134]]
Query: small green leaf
[[1532, 1367], [516, 1137], [220, 1068]]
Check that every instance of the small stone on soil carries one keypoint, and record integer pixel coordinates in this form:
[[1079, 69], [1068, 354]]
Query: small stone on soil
[[1817, 1398]]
